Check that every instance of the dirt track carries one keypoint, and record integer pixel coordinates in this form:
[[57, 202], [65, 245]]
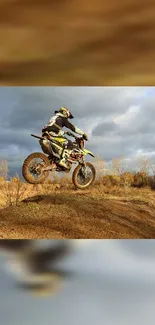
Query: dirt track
[[77, 42], [75, 214]]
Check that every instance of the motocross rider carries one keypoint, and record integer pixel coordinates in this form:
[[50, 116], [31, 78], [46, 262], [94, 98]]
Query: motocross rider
[[54, 128]]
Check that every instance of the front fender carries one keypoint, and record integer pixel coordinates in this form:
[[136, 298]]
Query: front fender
[[88, 152]]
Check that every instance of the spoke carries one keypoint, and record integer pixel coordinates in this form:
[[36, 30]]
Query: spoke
[[35, 167], [85, 175]]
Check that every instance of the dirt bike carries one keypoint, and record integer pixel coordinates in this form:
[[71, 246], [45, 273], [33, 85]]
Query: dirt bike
[[36, 172]]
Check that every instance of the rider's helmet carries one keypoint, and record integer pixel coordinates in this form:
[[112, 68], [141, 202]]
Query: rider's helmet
[[65, 111]]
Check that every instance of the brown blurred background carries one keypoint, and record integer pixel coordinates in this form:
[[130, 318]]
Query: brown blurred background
[[76, 42]]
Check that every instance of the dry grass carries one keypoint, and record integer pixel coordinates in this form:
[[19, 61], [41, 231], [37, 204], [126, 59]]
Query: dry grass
[[119, 205], [13, 191], [77, 42], [60, 211]]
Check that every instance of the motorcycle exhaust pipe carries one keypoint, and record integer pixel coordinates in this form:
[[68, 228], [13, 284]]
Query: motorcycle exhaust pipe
[[47, 169]]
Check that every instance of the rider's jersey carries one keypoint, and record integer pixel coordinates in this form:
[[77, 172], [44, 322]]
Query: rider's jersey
[[57, 122]]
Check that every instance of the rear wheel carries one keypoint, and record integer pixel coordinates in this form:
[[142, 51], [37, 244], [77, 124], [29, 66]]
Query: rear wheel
[[32, 168], [84, 176]]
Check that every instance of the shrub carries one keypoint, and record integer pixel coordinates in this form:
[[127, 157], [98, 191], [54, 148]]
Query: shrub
[[127, 179], [115, 179], [2, 180], [13, 191], [141, 179], [105, 180], [152, 182], [4, 169]]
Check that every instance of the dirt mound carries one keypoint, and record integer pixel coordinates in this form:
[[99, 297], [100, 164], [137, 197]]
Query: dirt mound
[[77, 42], [75, 214]]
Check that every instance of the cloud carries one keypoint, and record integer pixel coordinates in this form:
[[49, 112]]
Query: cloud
[[120, 121], [128, 117], [104, 128]]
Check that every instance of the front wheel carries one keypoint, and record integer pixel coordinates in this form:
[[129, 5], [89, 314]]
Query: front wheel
[[32, 168], [84, 176]]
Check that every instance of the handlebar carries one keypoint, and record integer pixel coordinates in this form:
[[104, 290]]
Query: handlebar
[[72, 134]]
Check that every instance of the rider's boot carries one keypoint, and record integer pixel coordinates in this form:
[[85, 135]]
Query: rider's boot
[[63, 161]]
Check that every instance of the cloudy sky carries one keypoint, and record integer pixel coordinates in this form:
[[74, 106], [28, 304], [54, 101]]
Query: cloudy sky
[[115, 284], [120, 121]]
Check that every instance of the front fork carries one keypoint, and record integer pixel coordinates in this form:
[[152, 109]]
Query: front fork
[[82, 162]]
